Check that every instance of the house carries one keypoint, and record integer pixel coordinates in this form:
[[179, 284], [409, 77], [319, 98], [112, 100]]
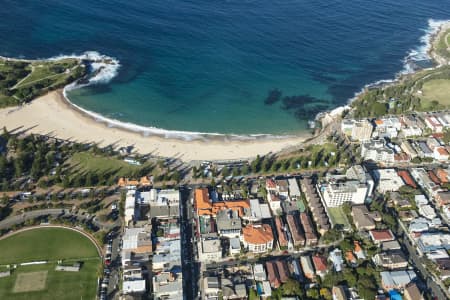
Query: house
[[391, 260], [387, 180], [380, 236], [408, 149], [362, 218], [296, 232], [257, 238], [282, 239], [209, 248], [427, 211], [167, 285], [442, 175], [429, 242], [440, 153], [407, 179], [228, 223], [307, 267], [433, 123], [418, 225], [390, 246], [258, 272], [294, 189], [359, 252], [211, 287], [310, 235], [133, 286], [412, 292], [233, 290], [396, 279], [320, 265], [235, 246], [338, 293], [442, 198], [277, 272], [351, 259], [336, 258]]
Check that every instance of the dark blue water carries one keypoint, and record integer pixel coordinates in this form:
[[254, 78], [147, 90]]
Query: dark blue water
[[208, 65]]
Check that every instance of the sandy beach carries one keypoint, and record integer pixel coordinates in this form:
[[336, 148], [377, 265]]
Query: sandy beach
[[52, 115]]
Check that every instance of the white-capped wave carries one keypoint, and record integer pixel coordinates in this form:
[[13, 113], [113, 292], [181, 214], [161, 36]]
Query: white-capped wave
[[422, 51]]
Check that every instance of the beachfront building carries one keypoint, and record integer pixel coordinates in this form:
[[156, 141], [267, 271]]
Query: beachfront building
[[362, 130], [257, 238]]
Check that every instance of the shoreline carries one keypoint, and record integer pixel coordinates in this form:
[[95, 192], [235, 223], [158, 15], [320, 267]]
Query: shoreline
[[185, 145], [427, 49], [52, 115]]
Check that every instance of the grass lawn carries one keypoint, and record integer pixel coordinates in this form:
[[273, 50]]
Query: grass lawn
[[49, 244], [45, 244], [337, 216], [88, 162], [442, 46], [436, 89], [50, 70], [58, 285]]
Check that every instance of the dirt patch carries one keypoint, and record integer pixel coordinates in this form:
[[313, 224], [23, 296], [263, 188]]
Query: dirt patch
[[29, 282]]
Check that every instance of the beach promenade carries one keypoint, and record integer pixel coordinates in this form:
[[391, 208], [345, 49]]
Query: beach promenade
[[52, 115]]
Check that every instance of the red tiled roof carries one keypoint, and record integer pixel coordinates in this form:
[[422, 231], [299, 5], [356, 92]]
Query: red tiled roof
[[382, 235], [320, 263], [407, 178]]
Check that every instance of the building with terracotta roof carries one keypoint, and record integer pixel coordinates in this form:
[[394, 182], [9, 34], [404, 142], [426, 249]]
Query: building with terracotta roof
[[204, 205], [310, 235], [359, 252], [404, 174], [283, 270], [282, 240], [272, 274], [350, 258], [441, 174], [380, 236], [320, 265], [441, 154], [296, 233], [433, 123], [257, 238]]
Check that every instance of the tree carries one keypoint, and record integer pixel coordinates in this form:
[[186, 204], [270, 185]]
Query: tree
[[292, 288]]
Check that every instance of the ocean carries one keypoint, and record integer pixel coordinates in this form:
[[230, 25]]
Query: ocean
[[209, 66]]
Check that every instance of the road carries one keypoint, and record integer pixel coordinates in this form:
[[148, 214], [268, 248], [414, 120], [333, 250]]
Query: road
[[189, 264], [54, 212], [434, 285]]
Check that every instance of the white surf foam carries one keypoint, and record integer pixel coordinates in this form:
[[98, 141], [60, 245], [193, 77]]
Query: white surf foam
[[416, 54]]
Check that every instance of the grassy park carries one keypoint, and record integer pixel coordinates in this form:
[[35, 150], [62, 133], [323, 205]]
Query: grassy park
[[86, 162], [436, 90], [21, 80], [50, 244]]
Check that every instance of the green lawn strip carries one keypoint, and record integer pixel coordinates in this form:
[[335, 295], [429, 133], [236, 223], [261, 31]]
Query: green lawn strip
[[88, 162], [338, 217], [45, 244], [59, 284]]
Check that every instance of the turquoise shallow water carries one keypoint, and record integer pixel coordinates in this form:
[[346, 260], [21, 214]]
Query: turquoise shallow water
[[207, 66]]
